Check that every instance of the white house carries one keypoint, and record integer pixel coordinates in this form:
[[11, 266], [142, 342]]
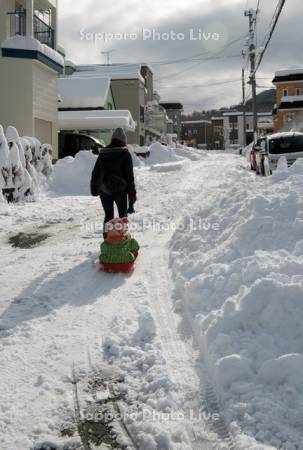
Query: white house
[[29, 67]]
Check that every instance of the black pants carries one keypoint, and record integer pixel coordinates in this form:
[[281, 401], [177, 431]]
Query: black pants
[[108, 202]]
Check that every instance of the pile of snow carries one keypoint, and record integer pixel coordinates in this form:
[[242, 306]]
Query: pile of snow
[[161, 154], [72, 175], [240, 287], [137, 161], [25, 165]]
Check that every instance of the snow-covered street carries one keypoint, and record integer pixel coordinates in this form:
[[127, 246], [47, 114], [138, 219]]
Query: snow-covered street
[[215, 302]]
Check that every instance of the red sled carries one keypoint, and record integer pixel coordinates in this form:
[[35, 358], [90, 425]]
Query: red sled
[[116, 268]]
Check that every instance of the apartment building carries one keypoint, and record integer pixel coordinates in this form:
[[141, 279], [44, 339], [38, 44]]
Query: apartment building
[[197, 133], [233, 127], [29, 67], [289, 99], [174, 112], [217, 141]]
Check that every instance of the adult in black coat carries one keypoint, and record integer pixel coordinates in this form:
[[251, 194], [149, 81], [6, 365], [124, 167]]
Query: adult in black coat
[[113, 177]]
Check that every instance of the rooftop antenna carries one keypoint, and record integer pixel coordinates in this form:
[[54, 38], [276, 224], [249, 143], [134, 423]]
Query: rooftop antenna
[[107, 56]]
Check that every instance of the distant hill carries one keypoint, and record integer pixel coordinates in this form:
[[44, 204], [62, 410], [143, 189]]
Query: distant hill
[[265, 102]]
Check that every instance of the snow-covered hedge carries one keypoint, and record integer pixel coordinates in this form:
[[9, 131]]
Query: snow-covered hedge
[[25, 165]]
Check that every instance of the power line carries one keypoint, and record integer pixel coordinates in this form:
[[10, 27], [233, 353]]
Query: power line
[[208, 59], [176, 74], [197, 57], [202, 85], [270, 32]]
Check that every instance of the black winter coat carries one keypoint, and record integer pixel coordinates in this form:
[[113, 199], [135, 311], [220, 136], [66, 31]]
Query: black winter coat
[[113, 172]]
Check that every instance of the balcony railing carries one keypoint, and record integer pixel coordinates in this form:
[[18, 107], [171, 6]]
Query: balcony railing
[[42, 31]]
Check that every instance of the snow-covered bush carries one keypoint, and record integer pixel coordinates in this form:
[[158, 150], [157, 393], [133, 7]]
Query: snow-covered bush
[[25, 165]]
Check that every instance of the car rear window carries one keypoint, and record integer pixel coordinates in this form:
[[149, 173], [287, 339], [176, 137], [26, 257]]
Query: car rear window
[[287, 144]]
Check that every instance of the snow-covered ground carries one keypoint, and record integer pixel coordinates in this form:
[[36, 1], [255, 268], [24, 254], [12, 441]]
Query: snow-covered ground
[[215, 300]]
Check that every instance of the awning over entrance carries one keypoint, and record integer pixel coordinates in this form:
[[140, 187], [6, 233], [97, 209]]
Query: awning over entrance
[[96, 120]]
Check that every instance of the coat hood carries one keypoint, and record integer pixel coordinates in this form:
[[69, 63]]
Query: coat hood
[[112, 153]]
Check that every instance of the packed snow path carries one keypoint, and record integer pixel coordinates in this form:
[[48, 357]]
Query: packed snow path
[[57, 310]]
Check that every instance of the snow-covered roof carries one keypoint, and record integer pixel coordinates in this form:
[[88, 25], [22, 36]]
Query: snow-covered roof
[[292, 98], [30, 43], [284, 134], [287, 72], [240, 113], [96, 120], [83, 92], [113, 71], [61, 50]]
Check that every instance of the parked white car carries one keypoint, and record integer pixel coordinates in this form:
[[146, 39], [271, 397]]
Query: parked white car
[[288, 144]]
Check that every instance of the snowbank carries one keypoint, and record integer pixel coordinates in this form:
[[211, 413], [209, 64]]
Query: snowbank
[[241, 288], [72, 175], [161, 154]]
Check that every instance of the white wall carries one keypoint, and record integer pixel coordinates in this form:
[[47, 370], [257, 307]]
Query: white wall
[[16, 94]]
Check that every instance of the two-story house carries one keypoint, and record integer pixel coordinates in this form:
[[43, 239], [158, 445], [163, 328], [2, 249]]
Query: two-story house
[[29, 66], [132, 88], [289, 98]]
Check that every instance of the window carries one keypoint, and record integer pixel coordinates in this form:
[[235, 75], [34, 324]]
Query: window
[[285, 92], [298, 91], [86, 143]]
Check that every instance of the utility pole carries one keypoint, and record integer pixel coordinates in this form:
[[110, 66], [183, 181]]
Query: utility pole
[[107, 56], [252, 14], [244, 107]]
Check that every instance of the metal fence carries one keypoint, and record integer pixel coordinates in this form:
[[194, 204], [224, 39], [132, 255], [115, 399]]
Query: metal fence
[[42, 31]]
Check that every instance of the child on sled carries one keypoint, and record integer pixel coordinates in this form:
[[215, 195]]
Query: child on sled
[[119, 250]]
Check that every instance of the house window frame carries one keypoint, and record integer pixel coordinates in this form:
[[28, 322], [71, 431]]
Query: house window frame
[[298, 91], [285, 92]]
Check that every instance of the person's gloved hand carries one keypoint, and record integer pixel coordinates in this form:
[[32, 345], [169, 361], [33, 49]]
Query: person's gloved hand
[[131, 209], [132, 197]]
